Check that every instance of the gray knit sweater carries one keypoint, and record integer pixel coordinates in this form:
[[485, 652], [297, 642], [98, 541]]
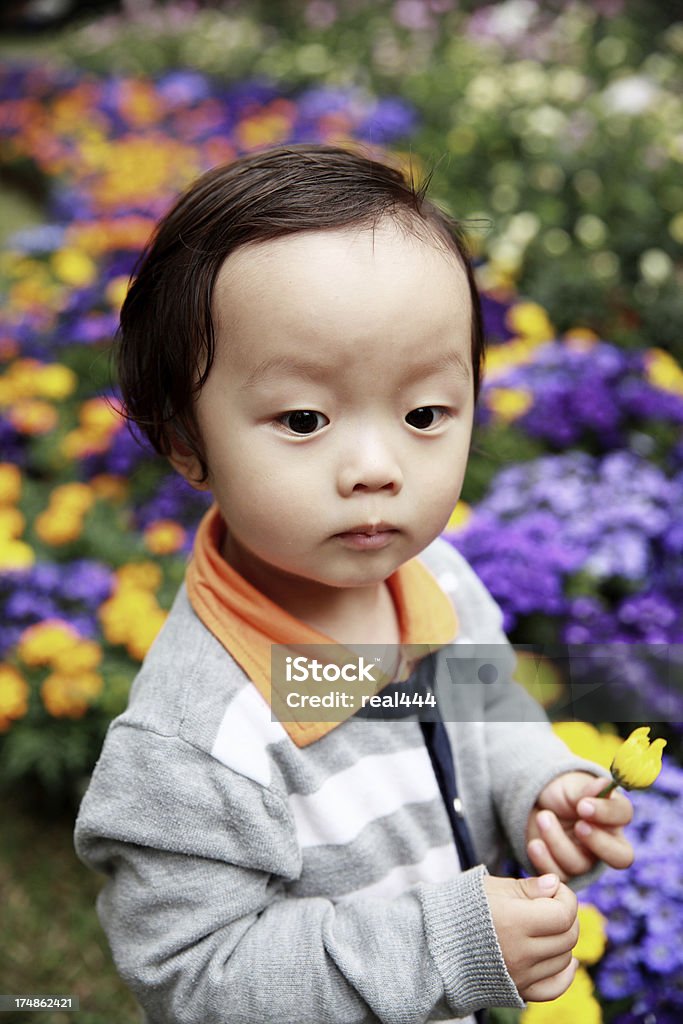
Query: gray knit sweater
[[252, 881]]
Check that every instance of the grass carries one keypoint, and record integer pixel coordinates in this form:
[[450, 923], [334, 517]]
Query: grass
[[52, 943]]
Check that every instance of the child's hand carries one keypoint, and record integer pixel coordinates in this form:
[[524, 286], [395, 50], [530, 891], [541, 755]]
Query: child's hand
[[537, 928], [568, 833]]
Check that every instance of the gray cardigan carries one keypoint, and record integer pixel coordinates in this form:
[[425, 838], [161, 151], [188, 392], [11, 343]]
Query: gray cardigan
[[252, 881]]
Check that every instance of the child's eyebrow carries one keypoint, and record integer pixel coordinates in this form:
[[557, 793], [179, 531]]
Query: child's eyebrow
[[451, 360], [284, 365]]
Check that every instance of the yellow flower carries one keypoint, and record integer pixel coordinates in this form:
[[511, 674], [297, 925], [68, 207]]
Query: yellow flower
[[121, 612], [663, 371], [143, 632], [78, 443], [577, 1005], [592, 935], [40, 644], [74, 267], [516, 352], [267, 127], [139, 576], [508, 403], [13, 696], [101, 415], [58, 526], [85, 656], [116, 291], [107, 233], [56, 382], [586, 741], [530, 320], [10, 483], [74, 497], [637, 762], [164, 537], [69, 696], [15, 554], [12, 523], [459, 517]]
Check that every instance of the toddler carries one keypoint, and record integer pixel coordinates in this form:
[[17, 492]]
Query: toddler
[[303, 338]]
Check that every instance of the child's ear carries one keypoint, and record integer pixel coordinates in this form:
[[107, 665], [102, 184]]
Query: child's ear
[[185, 462]]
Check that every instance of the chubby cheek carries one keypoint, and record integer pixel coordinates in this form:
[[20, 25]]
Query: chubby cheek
[[264, 506], [440, 486]]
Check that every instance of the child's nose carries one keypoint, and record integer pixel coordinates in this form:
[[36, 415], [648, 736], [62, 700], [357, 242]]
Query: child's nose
[[370, 465]]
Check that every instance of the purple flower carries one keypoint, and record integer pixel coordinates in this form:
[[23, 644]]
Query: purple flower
[[660, 954], [553, 522], [494, 312], [599, 396], [621, 925], [644, 907], [87, 581], [183, 88], [619, 974], [388, 119]]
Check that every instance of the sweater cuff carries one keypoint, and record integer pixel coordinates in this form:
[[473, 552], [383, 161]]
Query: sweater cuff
[[464, 946]]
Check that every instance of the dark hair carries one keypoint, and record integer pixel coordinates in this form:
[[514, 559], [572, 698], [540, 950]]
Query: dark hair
[[166, 338]]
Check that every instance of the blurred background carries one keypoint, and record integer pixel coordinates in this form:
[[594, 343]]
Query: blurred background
[[554, 131]]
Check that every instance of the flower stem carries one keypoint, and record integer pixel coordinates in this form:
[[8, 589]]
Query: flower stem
[[608, 788]]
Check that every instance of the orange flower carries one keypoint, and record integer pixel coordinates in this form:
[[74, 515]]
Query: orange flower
[[10, 483], [40, 644], [69, 696], [14, 693], [31, 416], [109, 487], [164, 537], [85, 656], [12, 523]]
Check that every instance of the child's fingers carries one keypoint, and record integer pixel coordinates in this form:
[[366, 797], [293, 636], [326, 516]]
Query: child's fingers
[[570, 857], [542, 859], [615, 811], [553, 920], [612, 847], [548, 967], [552, 987]]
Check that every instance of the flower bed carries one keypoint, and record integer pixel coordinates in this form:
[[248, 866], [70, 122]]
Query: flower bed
[[94, 529], [556, 125], [579, 546]]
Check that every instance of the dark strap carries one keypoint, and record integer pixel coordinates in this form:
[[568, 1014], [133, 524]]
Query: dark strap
[[440, 753], [441, 756]]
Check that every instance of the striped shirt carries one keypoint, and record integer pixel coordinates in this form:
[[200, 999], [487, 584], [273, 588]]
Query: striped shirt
[[252, 880]]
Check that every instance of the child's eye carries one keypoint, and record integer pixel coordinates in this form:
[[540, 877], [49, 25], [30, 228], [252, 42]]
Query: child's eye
[[303, 421], [425, 416]]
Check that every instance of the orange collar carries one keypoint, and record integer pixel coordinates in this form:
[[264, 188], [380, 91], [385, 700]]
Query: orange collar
[[247, 623]]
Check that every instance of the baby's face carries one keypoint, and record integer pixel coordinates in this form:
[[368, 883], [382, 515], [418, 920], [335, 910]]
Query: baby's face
[[337, 415]]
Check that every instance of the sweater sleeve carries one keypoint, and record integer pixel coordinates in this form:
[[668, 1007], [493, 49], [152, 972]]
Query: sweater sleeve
[[522, 753], [201, 927]]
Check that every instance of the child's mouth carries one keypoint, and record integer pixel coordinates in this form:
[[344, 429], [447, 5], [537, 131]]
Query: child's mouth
[[369, 536]]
